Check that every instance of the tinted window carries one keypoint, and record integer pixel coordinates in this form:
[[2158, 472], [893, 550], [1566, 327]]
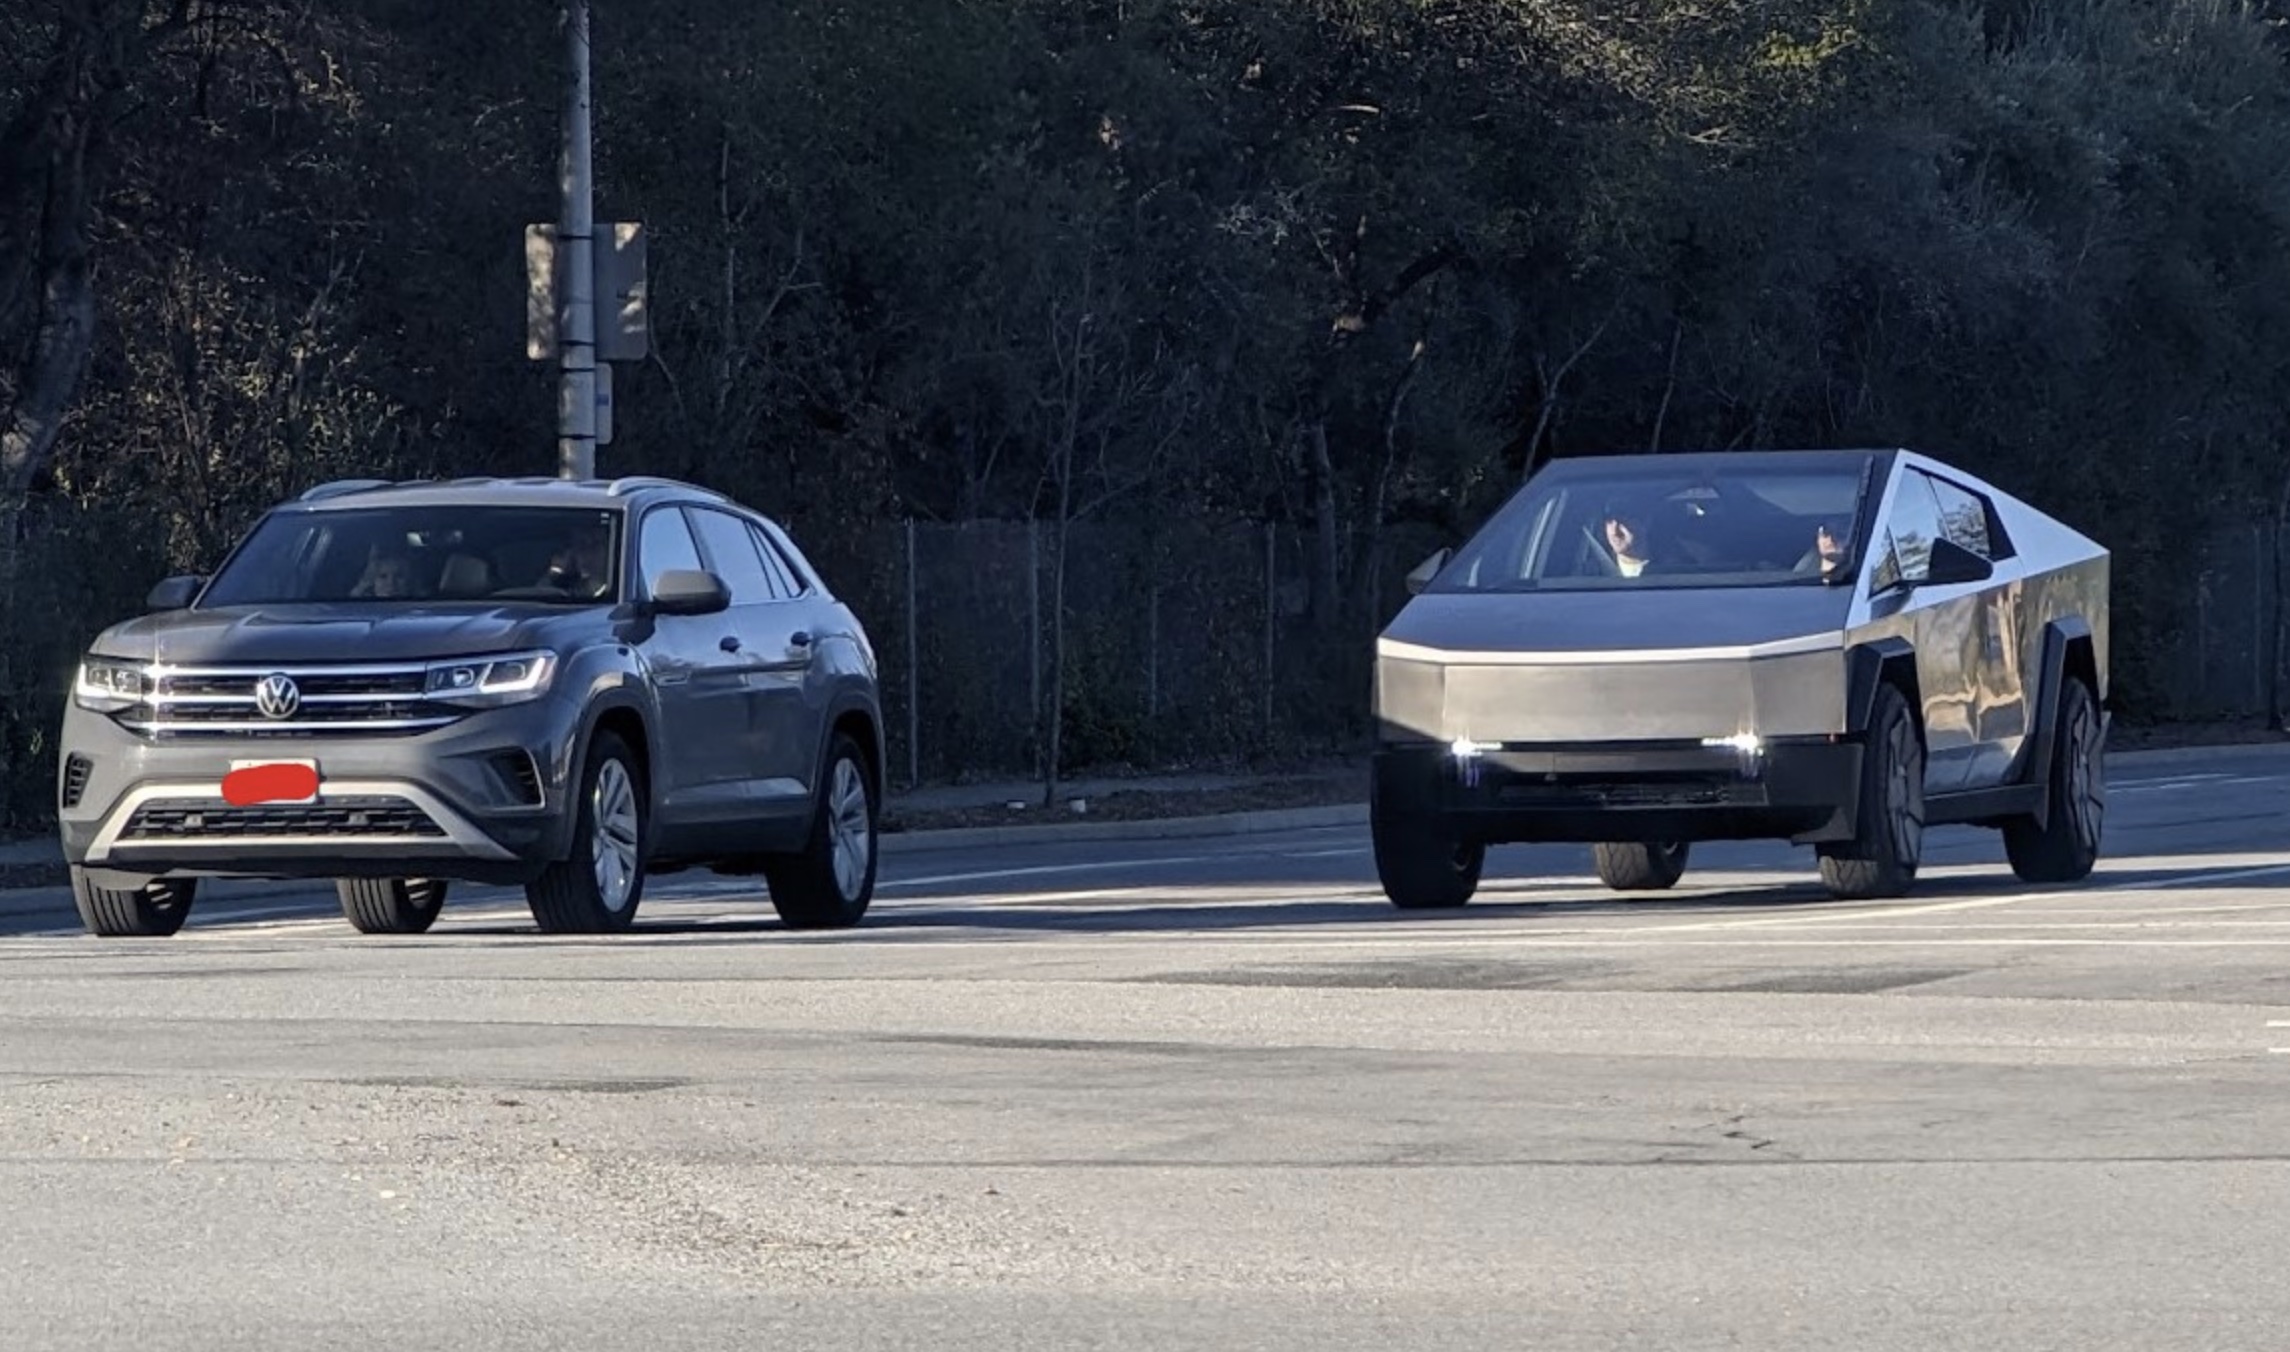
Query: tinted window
[[423, 553], [782, 575], [732, 551], [1725, 521], [1963, 518], [1913, 526], [666, 545]]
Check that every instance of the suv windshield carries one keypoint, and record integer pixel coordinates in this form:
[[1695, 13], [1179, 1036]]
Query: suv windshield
[[424, 554], [1695, 521]]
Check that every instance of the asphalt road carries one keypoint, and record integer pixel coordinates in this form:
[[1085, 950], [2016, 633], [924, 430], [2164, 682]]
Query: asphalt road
[[1206, 1093]]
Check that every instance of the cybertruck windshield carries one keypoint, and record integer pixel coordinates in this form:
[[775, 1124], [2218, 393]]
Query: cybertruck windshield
[[1711, 520], [424, 555]]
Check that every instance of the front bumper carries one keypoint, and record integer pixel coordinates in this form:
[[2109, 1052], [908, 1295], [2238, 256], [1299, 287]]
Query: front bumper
[[1801, 789], [484, 799]]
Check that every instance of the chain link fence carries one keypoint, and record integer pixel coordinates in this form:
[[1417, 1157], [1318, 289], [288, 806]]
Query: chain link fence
[[1182, 644], [2222, 650]]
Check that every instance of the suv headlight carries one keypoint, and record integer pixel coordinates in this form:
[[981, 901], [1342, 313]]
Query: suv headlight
[[483, 682], [107, 685]]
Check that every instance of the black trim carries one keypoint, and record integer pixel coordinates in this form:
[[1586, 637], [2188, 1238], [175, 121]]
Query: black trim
[[1983, 807], [1801, 790], [1867, 667], [2033, 773]]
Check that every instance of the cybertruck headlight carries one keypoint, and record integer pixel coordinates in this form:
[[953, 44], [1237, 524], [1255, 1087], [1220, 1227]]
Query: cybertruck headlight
[[1747, 743], [487, 682], [108, 685]]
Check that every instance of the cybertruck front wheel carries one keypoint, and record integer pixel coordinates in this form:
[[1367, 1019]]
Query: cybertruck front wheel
[[154, 909], [391, 905], [1423, 863], [1629, 866], [1882, 858], [597, 888]]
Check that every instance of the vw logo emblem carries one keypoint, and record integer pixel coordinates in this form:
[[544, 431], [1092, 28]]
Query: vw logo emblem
[[276, 696]]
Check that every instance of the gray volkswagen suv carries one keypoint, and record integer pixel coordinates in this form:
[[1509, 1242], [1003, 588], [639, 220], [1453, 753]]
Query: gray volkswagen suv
[[561, 685]]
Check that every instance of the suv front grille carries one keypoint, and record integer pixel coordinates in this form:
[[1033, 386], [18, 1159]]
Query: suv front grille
[[218, 820], [336, 701]]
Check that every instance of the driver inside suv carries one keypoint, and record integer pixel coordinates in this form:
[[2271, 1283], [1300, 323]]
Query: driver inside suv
[[584, 567]]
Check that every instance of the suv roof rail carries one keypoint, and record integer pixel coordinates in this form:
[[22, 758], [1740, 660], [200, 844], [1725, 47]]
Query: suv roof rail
[[338, 487], [630, 483]]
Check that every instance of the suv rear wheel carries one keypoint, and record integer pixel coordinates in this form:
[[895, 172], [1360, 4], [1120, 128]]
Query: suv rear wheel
[[154, 910], [829, 884], [391, 905], [597, 888]]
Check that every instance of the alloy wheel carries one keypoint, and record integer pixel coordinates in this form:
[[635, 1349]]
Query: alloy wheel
[[848, 823], [613, 807]]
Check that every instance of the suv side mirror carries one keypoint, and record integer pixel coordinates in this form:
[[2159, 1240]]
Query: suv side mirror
[[1951, 564], [174, 593], [689, 591], [1425, 571]]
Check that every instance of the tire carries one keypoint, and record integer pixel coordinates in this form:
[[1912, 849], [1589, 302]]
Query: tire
[[831, 882], [598, 886], [155, 910], [1629, 866], [2065, 847], [1423, 864], [1882, 859], [391, 905]]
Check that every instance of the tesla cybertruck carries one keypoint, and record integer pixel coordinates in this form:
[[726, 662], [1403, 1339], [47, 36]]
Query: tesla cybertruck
[[1834, 648]]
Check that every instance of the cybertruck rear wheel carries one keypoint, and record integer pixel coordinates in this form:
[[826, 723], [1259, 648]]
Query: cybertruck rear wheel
[[1423, 863], [2065, 847], [597, 889], [154, 909], [1629, 866], [391, 905], [1882, 858]]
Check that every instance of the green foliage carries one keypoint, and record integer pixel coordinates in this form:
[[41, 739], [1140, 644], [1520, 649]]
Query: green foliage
[[1348, 265]]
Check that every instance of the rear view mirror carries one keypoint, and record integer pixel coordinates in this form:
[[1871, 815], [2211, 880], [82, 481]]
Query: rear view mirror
[[174, 593], [689, 591], [1425, 571]]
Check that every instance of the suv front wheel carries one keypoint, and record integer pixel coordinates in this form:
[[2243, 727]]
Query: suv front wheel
[[154, 910], [829, 884], [595, 890]]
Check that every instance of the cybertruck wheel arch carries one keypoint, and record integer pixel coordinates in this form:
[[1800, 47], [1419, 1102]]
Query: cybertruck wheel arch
[[2069, 653], [1879, 662]]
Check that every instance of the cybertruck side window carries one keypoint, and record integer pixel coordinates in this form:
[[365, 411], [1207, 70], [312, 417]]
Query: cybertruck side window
[[1914, 524], [1964, 518]]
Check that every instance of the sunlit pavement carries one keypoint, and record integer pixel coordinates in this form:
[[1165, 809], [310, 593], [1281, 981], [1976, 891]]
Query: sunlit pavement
[[1199, 1093]]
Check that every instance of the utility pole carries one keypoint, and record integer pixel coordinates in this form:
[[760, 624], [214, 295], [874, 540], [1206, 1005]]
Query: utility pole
[[576, 233], [585, 308]]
